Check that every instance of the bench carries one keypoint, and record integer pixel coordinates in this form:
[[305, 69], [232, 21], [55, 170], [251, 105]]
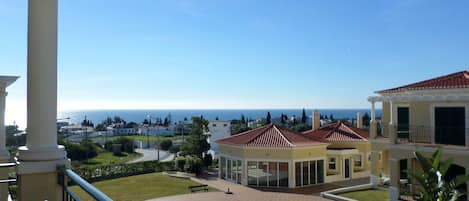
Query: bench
[[198, 188]]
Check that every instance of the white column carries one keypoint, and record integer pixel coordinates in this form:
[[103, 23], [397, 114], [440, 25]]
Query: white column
[[374, 177], [395, 174], [373, 111], [4, 154], [392, 130], [41, 140], [373, 123], [5, 81]]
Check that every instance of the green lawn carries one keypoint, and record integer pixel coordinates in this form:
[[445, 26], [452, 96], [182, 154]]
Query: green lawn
[[368, 195], [141, 187], [107, 158]]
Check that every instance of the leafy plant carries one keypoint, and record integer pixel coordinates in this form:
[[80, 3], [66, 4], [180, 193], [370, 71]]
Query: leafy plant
[[434, 185]]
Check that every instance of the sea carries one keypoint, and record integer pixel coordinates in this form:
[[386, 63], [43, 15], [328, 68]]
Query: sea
[[97, 116]]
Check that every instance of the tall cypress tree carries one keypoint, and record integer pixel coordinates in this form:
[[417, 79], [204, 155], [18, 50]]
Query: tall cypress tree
[[268, 118], [303, 116]]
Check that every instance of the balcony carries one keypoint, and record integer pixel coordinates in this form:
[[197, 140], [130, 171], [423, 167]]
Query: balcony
[[67, 178], [425, 135]]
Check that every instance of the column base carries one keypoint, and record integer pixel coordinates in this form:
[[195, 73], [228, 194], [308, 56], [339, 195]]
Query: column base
[[41, 154], [374, 180], [4, 175], [393, 193]]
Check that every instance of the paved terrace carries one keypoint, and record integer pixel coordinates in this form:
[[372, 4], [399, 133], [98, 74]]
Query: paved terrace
[[240, 193]]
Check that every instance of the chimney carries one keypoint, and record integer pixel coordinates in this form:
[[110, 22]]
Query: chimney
[[316, 120], [359, 120]]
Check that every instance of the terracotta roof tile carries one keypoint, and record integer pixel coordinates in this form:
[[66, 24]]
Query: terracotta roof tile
[[454, 80], [269, 136], [338, 132]]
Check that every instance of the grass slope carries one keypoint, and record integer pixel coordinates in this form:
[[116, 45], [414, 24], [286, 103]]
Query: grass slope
[[141, 187]]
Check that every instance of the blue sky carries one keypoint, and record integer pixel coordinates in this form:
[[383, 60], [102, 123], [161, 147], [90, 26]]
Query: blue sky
[[239, 53]]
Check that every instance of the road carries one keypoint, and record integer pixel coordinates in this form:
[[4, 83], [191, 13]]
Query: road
[[151, 155]]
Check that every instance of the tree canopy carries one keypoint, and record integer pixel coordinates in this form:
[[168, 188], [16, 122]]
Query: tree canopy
[[196, 143]]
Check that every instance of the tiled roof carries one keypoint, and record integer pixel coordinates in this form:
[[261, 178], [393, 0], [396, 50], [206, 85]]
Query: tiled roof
[[338, 132], [269, 136], [454, 80]]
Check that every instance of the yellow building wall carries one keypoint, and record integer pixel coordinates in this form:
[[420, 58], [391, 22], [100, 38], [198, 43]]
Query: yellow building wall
[[419, 114], [364, 149], [297, 153]]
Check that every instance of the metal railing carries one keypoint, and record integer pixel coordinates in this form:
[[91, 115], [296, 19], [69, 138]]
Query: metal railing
[[68, 176], [425, 134], [10, 181]]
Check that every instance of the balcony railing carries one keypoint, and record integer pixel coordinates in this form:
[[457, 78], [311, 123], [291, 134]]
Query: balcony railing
[[425, 134], [69, 177], [10, 181]]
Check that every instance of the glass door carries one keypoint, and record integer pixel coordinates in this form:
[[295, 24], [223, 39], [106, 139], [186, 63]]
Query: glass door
[[450, 125], [347, 168], [403, 122]]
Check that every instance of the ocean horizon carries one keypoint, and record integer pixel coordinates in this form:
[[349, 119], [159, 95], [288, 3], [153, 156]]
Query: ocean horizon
[[138, 115]]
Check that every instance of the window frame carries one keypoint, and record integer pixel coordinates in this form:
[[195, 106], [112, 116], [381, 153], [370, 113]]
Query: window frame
[[329, 163]]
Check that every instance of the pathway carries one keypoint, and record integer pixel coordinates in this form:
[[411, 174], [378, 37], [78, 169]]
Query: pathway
[[240, 193], [151, 155]]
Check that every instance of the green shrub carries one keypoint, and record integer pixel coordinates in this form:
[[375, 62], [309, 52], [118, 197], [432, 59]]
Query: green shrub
[[179, 162], [208, 159], [127, 145], [104, 172], [193, 164], [166, 144], [174, 149], [82, 151]]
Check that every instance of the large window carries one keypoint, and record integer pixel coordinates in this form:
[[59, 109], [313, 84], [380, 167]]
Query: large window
[[252, 176], [309, 172], [223, 167], [332, 164], [312, 172], [320, 171], [283, 174], [239, 171], [298, 173], [273, 174], [357, 160], [263, 173], [305, 172], [231, 169], [228, 165], [267, 174]]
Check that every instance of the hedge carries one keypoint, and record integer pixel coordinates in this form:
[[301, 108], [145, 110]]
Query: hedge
[[104, 172]]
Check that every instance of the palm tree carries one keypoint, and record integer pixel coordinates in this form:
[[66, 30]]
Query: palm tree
[[434, 185]]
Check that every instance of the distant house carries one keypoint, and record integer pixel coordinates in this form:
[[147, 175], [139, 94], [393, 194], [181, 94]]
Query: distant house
[[217, 130], [157, 130], [75, 129], [119, 129], [276, 157]]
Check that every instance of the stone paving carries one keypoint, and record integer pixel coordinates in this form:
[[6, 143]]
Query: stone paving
[[240, 193]]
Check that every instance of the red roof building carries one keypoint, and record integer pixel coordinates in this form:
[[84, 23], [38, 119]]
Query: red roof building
[[338, 132], [451, 81], [270, 136]]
